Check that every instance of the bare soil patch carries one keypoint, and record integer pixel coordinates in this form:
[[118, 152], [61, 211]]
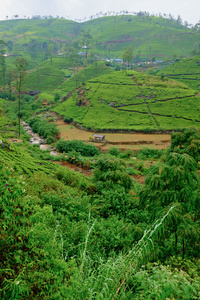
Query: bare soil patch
[[134, 141], [139, 178], [14, 140]]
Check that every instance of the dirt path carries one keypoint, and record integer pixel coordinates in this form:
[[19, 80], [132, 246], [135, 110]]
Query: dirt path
[[145, 102]]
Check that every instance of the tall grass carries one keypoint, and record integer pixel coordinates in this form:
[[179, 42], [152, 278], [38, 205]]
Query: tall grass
[[107, 279]]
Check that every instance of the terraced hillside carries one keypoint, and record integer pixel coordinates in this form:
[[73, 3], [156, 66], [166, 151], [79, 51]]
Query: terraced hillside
[[132, 101], [59, 77], [186, 70], [23, 162]]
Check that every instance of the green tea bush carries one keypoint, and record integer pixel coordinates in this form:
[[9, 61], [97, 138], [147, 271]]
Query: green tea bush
[[132, 171], [127, 153], [114, 151], [67, 119], [78, 146], [149, 153]]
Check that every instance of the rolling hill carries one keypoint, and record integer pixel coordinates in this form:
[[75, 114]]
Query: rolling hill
[[148, 36]]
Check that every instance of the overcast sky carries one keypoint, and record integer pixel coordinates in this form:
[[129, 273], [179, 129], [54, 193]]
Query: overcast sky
[[189, 10]]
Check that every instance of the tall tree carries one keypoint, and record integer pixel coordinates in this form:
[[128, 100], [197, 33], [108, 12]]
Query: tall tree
[[74, 59], [2, 61], [9, 79], [33, 50], [50, 52], [127, 56], [20, 74]]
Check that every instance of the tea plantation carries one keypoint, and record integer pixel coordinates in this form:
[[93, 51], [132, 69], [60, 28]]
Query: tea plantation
[[186, 70], [128, 100]]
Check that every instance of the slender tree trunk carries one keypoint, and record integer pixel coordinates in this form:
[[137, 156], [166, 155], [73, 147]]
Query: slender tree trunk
[[19, 105], [183, 248], [10, 91], [176, 241], [19, 113]]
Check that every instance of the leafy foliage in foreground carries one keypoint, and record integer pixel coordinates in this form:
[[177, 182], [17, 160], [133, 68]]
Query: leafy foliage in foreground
[[187, 141], [65, 236], [29, 250], [163, 282], [22, 162]]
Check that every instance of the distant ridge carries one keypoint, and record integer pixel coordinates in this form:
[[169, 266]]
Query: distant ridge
[[147, 35]]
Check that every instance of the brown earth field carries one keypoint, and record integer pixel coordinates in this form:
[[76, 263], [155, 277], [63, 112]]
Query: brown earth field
[[123, 141]]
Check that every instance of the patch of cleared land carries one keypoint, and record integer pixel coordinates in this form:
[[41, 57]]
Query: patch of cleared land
[[123, 141]]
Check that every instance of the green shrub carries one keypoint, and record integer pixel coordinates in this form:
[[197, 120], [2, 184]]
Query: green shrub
[[56, 97], [114, 151], [78, 146], [49, 140], [160, 282], [132, 171], [68, 119], [186, 141], [110, 173], [127, 153], [44, 129], [14, 122], [149, 153]]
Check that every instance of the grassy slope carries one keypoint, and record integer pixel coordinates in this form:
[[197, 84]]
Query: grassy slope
[[82, 76], [48, 75], [50, 31], [186, 70], [151, 36], [22, 31], [58, 76], [134, 101]]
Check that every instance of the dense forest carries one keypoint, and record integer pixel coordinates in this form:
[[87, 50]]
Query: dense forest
[[89, 220]]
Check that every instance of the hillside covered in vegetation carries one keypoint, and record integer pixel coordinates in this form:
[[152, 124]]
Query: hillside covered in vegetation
[[78, 221], [186, 70], [132, 101], [72, 235], [148, 36]]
